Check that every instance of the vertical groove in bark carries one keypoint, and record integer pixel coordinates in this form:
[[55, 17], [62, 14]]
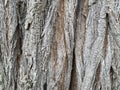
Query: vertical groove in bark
[[106, 62], [97, 82], [73, 81], [7, 23], [17, 53], [106, 37], [111, 77]]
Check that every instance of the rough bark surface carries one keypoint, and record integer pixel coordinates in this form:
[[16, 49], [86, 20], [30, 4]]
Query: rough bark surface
[[60, 44]]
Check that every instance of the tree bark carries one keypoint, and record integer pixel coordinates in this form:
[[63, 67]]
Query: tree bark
[[60, 44]]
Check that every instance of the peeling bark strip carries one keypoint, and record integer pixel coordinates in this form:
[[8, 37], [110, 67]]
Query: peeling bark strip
[[60, 44]]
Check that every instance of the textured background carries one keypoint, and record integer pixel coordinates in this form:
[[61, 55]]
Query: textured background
[[60, 44]]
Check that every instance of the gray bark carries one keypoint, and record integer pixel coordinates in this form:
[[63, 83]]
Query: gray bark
[[60, 44]]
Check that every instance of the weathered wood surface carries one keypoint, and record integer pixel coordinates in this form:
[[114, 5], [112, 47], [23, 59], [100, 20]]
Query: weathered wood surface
[[60, 44]]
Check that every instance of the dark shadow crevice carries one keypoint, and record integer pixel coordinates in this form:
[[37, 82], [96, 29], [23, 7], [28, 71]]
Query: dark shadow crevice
[[106, 36], [17, 40], [111, 77], [73, 81], [45, 86]]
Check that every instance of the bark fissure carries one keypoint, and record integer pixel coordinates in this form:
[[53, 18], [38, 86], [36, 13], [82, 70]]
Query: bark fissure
[[73, 80], [106, 36]]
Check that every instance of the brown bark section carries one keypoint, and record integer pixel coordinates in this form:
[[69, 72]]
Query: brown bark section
[[60, 38]]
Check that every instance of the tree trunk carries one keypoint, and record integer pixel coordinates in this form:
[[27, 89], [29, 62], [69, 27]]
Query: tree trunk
[[60, 44]]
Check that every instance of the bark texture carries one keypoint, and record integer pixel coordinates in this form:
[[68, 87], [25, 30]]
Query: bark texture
[[60, 44]]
